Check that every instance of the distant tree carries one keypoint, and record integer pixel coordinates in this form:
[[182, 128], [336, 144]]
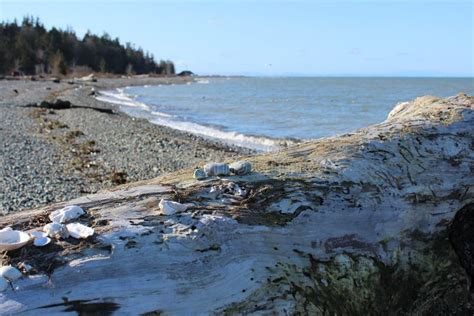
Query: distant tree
[[30, 48]]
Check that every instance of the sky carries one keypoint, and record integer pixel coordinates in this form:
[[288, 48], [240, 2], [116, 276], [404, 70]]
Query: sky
[[279, 38]]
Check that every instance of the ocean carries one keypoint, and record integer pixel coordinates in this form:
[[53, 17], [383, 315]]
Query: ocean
[[260, 112]]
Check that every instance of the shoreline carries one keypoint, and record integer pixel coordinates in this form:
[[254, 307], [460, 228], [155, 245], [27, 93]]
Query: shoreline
[[129, 105], [55, 155]]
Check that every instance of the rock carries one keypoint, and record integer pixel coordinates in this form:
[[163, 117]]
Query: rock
[[185, 73], [3, 284], [376, 221], [240, 167], [217, 169], [199, 174], [171, 207], [10, 273]]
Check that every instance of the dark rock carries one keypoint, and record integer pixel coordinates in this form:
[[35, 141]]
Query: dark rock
[[186, 73]]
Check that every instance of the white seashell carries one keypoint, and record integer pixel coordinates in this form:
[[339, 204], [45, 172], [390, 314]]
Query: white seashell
[[37, 234], [42, 241], [12, 239], [10, 273], [66, 214], [77, 230], [170, 207], [217, 169], [3, 284], [200, 174], [240, 167], [56, 230]]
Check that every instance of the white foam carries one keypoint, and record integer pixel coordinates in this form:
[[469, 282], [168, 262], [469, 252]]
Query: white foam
[[120, 98], [125, 100], [258, 143]]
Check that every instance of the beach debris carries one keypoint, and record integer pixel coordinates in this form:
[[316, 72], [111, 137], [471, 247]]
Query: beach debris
[[38, 234], [3, 284], [78, 231], [217, 169], [12, 239], [90, 78], [66, 214], [10, 273], [200, 174], [56, 230], [235, 189], [25, 267], [170, 207], [42, 241], [240, 167]]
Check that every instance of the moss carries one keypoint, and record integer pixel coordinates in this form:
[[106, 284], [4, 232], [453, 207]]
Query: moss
[[428, 281]]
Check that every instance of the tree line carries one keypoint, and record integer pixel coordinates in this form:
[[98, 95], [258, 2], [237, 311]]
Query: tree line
[[30, 49]]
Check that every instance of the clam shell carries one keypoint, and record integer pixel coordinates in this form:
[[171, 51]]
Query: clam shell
[[10, 273], [42, 241], [170, 207], [56, 230], [66, 214], [77, 230], [240, 167], [217, 169], [12, 239], [3, 284], [200, 174]]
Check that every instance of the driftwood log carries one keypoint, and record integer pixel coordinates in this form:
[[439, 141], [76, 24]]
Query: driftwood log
[[378, 221]]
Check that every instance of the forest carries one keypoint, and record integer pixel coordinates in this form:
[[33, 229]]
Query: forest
[[30, 49]]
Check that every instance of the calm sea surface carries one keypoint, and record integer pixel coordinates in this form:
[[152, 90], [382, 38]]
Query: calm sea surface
[[253, 112]]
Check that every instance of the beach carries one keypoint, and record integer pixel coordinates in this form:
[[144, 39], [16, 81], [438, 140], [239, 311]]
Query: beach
[[56, 155]]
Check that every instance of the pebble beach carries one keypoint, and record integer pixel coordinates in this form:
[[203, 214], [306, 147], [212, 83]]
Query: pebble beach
[[50, 155]]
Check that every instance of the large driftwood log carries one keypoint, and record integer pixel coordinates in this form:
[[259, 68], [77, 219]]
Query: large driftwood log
[[375, 221]]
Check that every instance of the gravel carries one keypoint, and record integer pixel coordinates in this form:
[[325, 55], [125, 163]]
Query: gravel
[[56, 155]]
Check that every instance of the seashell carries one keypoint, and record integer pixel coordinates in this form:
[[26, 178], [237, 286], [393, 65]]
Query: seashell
[[3, 284], [56, 230], [12, 239], [42, 241], [240, 167], [10, 273], [66, 214], [77, 230], [200, 174], [217, 169], [38, 234], [170, 207]]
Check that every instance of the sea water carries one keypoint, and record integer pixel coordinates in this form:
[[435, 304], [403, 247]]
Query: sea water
[[259, 112]]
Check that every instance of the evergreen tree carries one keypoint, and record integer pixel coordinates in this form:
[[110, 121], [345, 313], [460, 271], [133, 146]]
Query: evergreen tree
[[32, 49]]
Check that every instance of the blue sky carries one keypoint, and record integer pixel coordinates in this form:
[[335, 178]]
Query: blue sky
[[371, 38]]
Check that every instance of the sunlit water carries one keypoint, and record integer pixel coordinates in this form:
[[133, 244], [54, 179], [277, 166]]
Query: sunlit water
[[257, 112]]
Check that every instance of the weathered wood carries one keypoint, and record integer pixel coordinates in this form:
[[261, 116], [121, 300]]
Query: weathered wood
[[353, 224], [64, 105]]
